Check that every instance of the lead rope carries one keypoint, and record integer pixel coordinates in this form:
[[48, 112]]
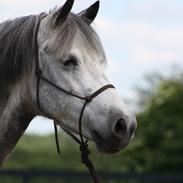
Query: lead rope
[[83, 144], [56, 137], [85, 152]]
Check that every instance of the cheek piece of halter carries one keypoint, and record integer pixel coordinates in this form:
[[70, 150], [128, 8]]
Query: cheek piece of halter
[[88, 99]]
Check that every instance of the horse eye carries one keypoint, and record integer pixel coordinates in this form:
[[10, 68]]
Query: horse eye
[[71, 61]]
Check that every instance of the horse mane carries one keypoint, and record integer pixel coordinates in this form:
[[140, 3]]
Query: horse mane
[[16, 47]]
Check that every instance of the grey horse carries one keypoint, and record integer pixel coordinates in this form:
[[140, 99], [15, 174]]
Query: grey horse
[[71, 56]]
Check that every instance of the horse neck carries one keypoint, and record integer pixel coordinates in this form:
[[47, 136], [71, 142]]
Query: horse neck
[[14, 118]]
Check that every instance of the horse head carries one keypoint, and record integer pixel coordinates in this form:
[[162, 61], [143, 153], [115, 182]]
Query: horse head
[[71, 56]]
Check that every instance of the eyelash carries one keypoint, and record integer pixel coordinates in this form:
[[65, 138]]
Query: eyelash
[[70, 61]]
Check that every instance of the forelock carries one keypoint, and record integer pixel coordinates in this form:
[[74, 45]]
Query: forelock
[[76, 29]]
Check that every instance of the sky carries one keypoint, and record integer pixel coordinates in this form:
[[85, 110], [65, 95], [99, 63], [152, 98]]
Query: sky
[[138, 36]]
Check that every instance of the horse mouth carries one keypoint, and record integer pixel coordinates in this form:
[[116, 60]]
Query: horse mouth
[[102, 145]]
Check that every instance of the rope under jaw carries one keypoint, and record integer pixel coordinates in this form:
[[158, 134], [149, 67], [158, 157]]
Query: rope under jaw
[[85, 151]]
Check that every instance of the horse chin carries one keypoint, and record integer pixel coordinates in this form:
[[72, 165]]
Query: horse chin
[[107, 150], [102, 146]]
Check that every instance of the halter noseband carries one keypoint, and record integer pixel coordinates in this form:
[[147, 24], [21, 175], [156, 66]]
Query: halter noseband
[[88, 99]]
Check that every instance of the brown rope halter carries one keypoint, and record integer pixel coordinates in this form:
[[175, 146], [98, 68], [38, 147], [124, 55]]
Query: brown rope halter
[[88, 99]]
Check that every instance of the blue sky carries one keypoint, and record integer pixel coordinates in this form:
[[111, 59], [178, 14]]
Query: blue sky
[[138, 37]]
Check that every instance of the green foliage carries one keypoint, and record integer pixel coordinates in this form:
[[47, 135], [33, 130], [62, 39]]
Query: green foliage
[[36, 152], [161, 127]]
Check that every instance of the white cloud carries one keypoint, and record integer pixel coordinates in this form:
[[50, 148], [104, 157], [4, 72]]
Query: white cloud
[[158, 10], [145, 43]]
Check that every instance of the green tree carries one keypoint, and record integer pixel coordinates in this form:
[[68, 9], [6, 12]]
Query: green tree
[[160, 124]]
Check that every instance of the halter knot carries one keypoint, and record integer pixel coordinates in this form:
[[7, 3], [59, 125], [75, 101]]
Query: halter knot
[[88, 99], [84, 153]]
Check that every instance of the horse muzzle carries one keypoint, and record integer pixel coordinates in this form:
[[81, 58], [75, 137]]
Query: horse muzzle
[[117, 138]]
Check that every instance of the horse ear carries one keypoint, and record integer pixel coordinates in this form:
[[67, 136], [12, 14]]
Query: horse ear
[[61, 14], [90, 13]]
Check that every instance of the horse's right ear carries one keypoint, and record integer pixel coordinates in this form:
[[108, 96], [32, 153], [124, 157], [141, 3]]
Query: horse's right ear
[[61, 14]]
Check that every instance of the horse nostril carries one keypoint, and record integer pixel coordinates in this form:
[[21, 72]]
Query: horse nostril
[[120, 127]]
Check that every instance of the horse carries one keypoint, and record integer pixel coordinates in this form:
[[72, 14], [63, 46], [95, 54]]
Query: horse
[[65, 49]]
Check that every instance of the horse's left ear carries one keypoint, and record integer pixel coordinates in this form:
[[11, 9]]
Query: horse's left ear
[[90, 13], [61, 14]]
